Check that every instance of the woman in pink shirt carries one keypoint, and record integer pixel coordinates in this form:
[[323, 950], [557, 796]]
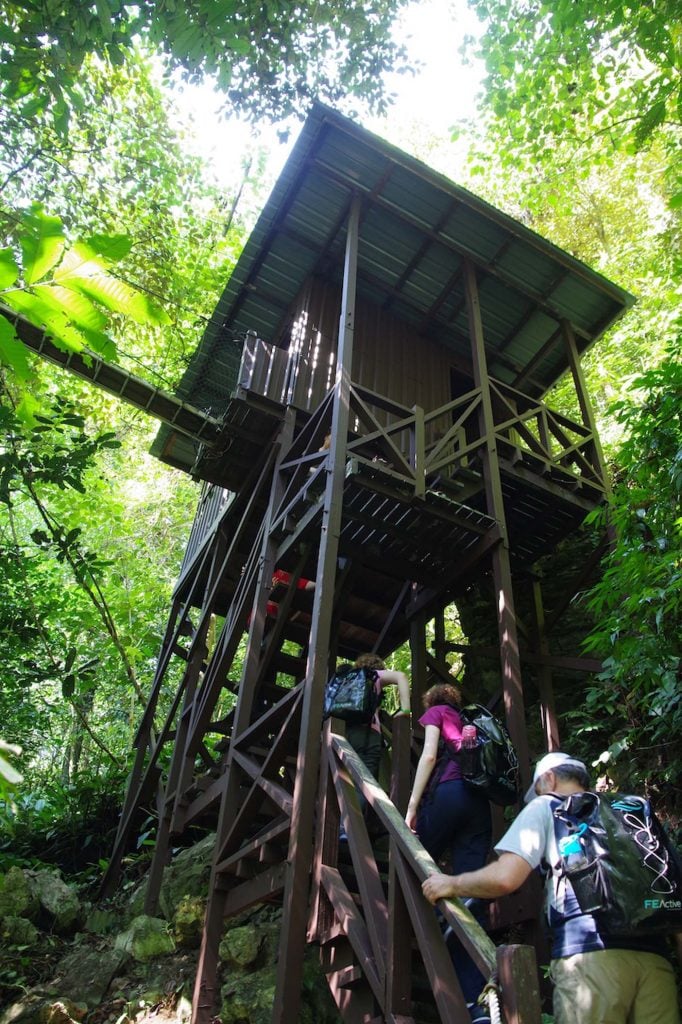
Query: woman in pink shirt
[[449, 816]]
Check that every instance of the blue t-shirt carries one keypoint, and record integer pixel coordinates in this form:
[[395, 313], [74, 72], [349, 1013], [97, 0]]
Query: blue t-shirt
[[449, 721]]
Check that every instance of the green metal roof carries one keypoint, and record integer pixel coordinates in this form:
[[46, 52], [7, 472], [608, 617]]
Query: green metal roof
[[416, 229]]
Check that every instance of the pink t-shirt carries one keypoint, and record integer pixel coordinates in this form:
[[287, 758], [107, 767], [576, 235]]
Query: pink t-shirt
[[449, 722]]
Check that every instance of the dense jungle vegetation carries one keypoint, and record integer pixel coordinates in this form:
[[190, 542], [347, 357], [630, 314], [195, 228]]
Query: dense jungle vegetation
[[116, 238]]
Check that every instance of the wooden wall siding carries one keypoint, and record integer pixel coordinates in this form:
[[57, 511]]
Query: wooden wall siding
[[388, 358]]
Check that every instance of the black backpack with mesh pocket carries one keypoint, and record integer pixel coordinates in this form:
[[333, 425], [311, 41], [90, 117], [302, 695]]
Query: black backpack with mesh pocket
[[351, 695], [492, 766], [628, 873]]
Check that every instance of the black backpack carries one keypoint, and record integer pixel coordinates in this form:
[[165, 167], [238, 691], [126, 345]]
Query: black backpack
[[492, 767], [351, 694], [627, 873]]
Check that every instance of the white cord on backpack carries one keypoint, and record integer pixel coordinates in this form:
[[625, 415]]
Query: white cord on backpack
[[652, 859]]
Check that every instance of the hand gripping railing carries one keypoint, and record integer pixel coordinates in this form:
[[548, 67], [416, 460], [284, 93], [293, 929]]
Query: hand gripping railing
[[371, 935]]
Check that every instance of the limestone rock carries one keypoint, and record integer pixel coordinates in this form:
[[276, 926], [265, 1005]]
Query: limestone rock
[[86, 973], [16, 896], [101, 922], [188, 922], [241, 946], [248, 999], [36, 1009], [146, 938], [186, 876], [17, 931], [56, 899]]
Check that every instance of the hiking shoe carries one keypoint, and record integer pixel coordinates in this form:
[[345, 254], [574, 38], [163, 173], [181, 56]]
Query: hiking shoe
[[479, 1014]]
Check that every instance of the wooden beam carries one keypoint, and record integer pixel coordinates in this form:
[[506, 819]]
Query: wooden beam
[[115, 380], [292, 942], [512, 684]]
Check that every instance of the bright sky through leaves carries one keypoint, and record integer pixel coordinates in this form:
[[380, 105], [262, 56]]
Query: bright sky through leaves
[[427, 103]]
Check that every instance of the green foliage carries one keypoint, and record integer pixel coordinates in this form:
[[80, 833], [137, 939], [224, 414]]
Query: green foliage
[[638, 602], [9, 776], [54, 449], [269, 59], [137, 199], [68, 303], [67, 824], [556, 72], [91, 530]]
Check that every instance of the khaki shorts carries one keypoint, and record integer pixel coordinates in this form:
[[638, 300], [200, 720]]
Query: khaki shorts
[[614, 986]]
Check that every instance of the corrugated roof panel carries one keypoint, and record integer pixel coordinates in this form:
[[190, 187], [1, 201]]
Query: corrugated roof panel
[[385, 250], [344, 154], [529, 268], [468, 229], [531, 336], [420, 201], [289, 264], [502, 308], [256, 315], [526, 284], [316, 211], [580, 303], [434, 273]]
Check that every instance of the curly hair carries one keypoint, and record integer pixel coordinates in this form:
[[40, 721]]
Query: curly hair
[[369, 661], [443, 693]]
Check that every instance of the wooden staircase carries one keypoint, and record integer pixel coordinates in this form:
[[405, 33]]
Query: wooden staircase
[[234, 750]]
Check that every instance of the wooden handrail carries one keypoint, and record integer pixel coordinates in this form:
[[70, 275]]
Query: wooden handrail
[[409, 865]]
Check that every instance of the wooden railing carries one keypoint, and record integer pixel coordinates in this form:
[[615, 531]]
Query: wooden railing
[[385, 435], [524, 429], [212, 504], [442, 440], [370, 934]]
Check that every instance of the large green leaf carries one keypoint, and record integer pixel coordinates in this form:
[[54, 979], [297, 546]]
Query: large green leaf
[[9, 271], [100, 343], [42, 243], [119, 297], [12, 352], [54, 323], [112, 247], [81, 260], [28, 409], [77, 307], [8, 774]]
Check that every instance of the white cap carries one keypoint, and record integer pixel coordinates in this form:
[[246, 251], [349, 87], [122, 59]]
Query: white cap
[[547, 764]]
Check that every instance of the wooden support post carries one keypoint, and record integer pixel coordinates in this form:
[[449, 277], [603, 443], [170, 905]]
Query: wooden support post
[[584, 401], [297, 886], [418, 453], [549, 718], [419, 661], [205, 988], [518, 978], [439, 646], [512, 686], [399, 952]]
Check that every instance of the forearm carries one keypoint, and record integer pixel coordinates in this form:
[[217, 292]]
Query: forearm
[[425, 767], [390, 677], [485, 883], [498, 878]]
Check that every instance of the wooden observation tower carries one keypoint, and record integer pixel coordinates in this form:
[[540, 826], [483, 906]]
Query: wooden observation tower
[[369, 416]]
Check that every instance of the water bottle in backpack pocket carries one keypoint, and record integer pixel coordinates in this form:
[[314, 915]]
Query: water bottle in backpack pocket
[[468, 753], [581, 867]]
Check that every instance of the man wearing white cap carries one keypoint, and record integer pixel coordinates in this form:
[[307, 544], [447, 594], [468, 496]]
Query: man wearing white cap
[[597, 980]]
